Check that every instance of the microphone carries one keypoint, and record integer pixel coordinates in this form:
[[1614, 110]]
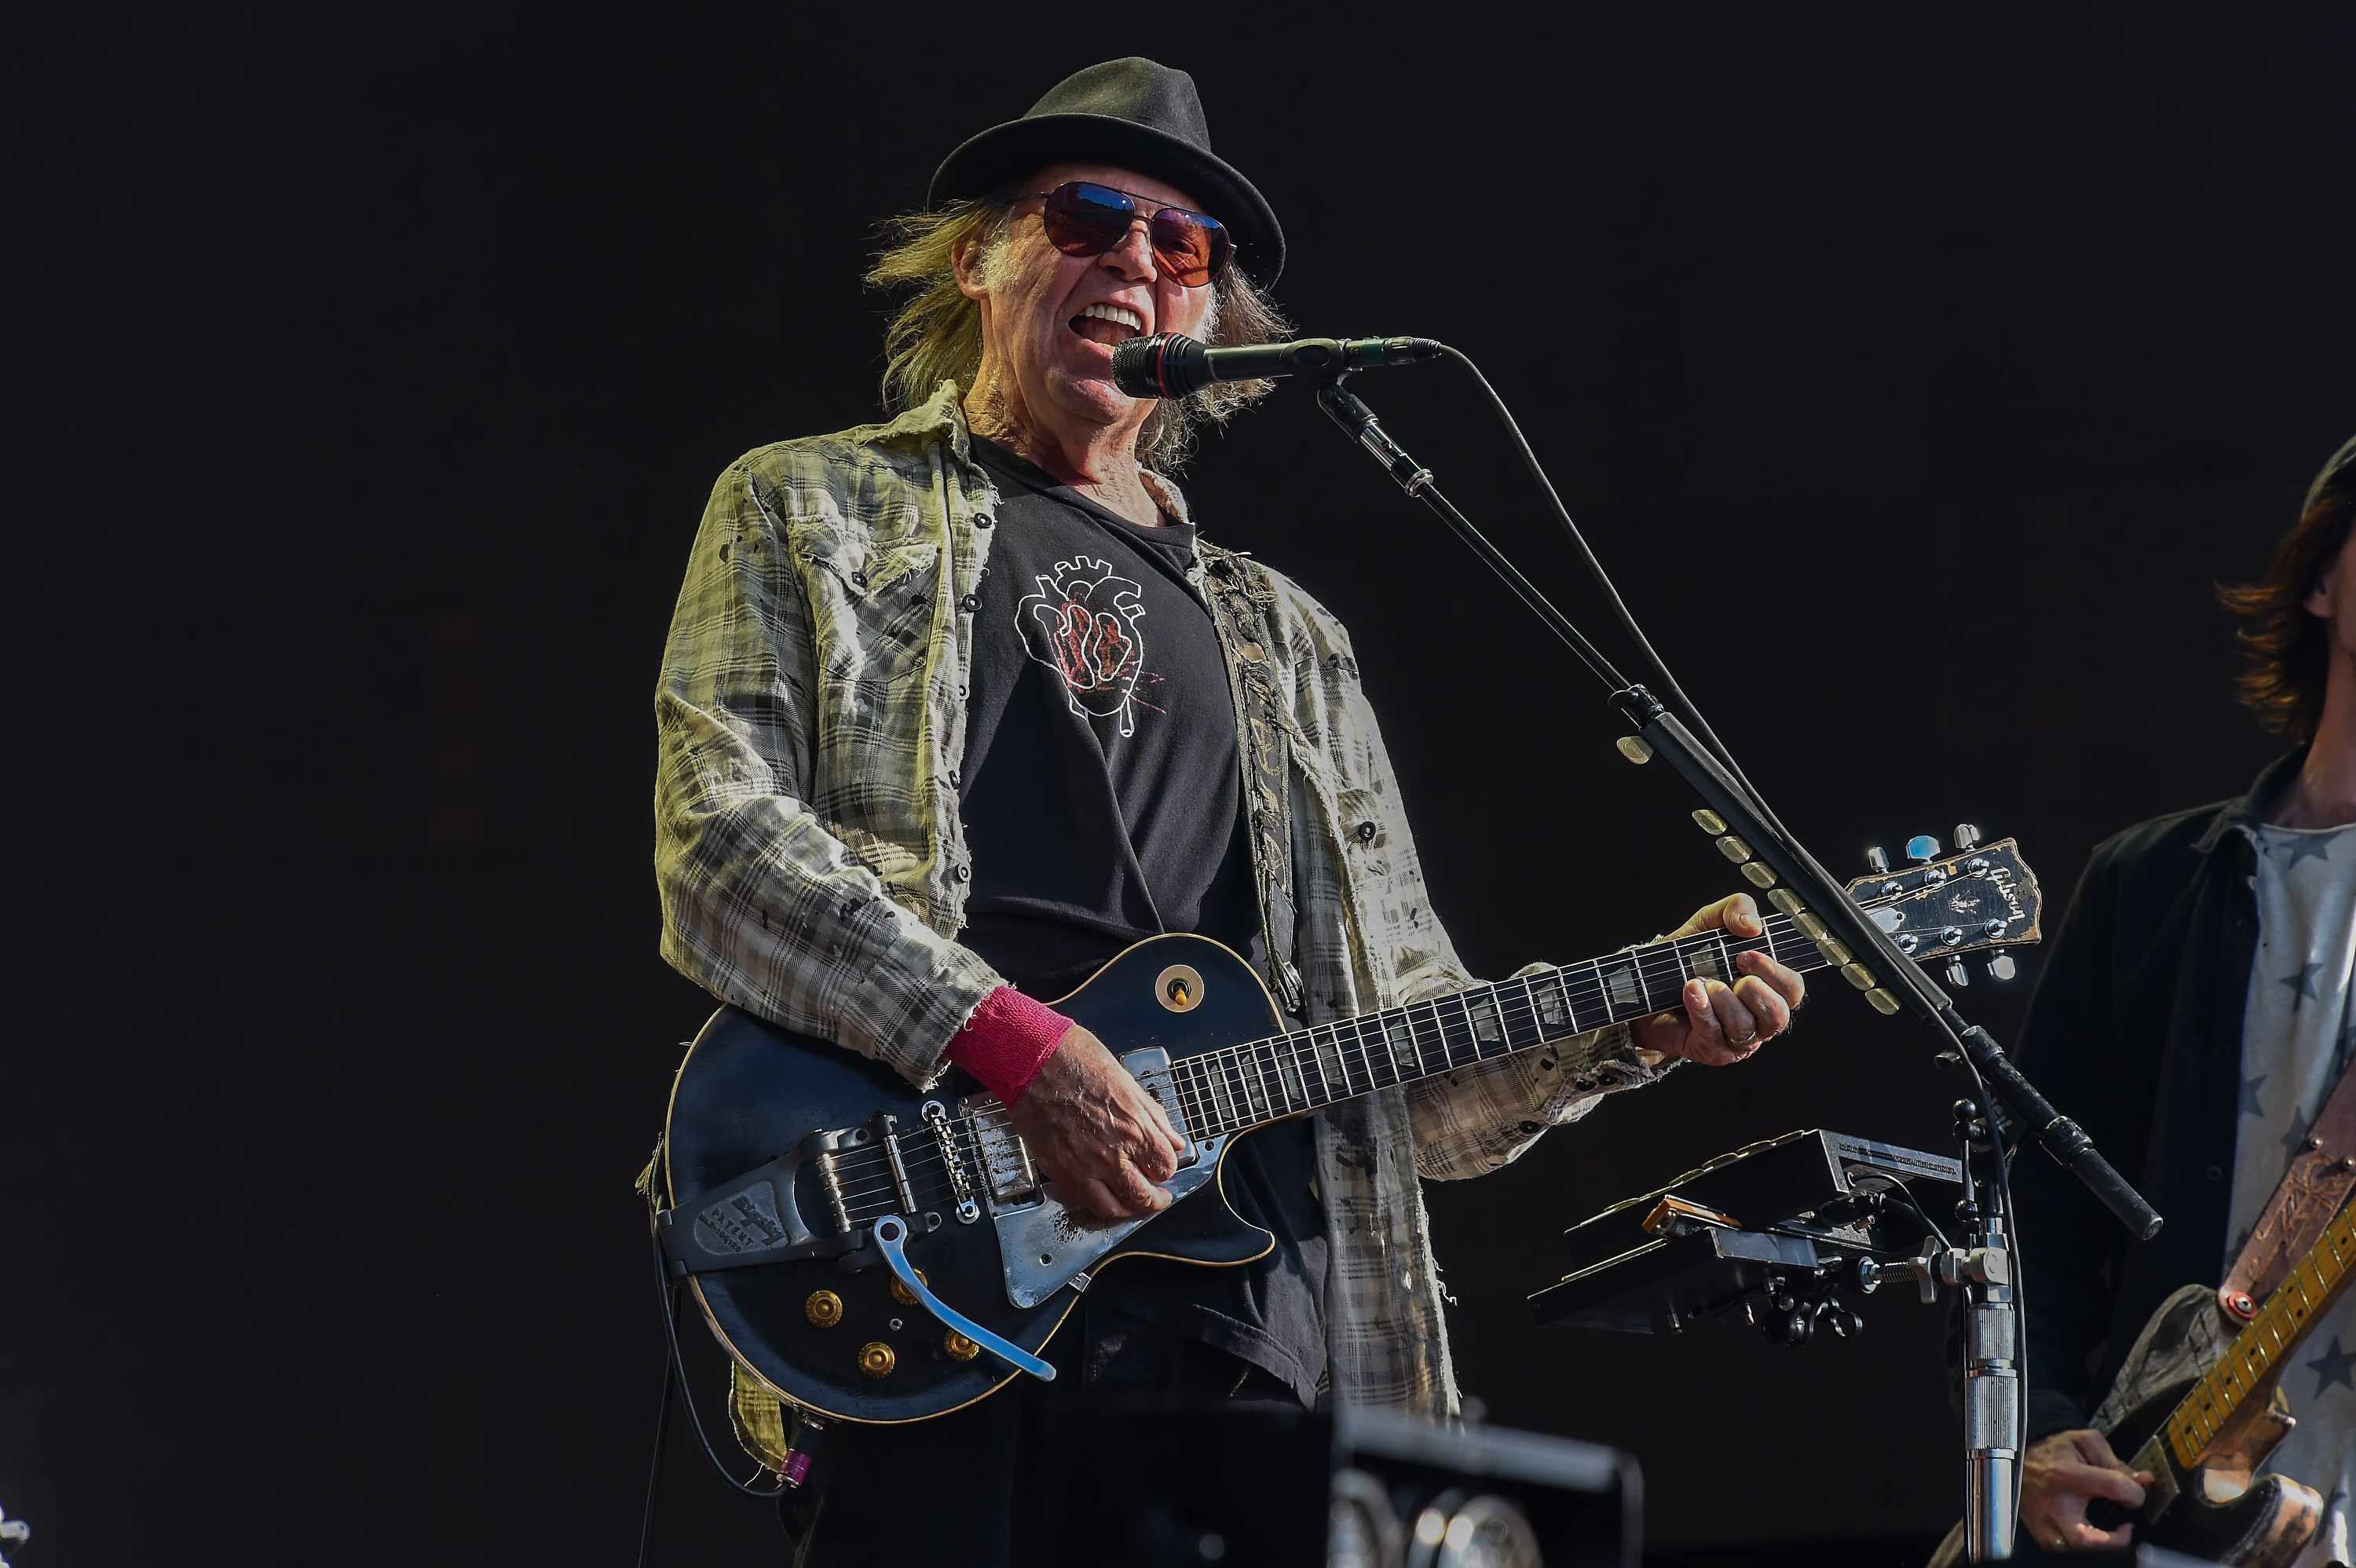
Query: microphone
[[1171, 365]]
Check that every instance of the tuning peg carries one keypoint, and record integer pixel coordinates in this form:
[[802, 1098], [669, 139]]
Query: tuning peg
[[1967, 834], [1877, 859], [2002, 967], [1956, 974], [1922, 849]]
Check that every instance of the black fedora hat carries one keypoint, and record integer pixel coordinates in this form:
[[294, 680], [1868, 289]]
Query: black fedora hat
[[1134, 114]]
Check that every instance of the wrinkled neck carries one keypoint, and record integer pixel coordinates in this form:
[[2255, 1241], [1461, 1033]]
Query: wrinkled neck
[[1098, 461]]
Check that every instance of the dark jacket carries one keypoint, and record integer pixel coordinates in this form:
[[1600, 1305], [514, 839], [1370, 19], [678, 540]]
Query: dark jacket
[[2136, 1029]]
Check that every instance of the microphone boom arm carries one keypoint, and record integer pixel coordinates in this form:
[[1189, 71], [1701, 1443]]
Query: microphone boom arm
[[1749, 833]]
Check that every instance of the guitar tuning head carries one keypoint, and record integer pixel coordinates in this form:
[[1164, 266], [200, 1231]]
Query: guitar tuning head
[[1922, 849], [1877, 859], [1967, 834], [2002, 967], [1956, 974]]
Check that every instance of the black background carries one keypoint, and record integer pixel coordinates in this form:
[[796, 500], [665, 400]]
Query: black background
[[1919, 370]]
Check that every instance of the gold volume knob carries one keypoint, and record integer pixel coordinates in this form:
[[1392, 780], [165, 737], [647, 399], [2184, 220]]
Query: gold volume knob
[[958, 1346], [823, 1308], [903, 1294], [876, 1359]]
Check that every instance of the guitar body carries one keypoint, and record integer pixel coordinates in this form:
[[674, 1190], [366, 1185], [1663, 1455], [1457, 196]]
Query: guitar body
[[2216, 1513], [749, 1092], [2219, 1509], [801, 1179]]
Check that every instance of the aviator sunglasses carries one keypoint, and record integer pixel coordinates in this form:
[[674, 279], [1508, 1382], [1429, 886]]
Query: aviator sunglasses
[[1088, 219]]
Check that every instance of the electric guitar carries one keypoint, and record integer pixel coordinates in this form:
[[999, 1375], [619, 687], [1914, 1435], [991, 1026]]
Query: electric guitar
[[879, 1253], [2203, 1407]]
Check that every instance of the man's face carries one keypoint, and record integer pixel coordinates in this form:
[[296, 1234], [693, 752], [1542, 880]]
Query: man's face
[[1052, 321]]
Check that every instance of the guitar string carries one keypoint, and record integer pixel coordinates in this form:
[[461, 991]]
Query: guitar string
[[1489, 1017], [1282, 1081], [1232, 1070], [1282, 1073], [1278, 1067]]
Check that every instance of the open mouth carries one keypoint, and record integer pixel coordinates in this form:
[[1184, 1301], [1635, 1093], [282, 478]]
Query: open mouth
[[1110, 325]]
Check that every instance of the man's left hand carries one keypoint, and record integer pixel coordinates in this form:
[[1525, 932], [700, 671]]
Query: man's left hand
[[1721, 1023]]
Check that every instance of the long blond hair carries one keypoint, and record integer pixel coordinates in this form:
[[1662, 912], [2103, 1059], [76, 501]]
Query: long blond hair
[[934, 336]]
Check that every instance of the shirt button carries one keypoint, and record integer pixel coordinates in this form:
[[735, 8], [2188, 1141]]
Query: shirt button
[[2216, 1173], [1365, 833], [953, 778], [859, 579], [963, 873], [1530, 1126], [968, 603], [983, 519]]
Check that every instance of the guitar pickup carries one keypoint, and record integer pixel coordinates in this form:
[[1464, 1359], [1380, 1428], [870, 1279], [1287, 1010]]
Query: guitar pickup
[[1006, 1168], [1151, 1067]]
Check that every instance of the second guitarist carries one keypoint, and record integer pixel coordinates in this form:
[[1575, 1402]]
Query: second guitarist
[[2195, 1005]]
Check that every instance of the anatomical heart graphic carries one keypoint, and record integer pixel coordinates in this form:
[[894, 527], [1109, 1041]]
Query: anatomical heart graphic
[[1085, 619]]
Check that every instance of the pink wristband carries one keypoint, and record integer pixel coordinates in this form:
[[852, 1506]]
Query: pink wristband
[[1007, 1041]]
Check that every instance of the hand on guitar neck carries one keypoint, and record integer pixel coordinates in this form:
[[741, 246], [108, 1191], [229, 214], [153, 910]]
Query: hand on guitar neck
[[1721, 1023], [2060, 1475]]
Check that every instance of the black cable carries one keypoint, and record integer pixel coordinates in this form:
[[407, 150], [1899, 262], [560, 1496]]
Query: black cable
[[1709, 737], [1612, 594], [654, 1471], [669, 1294], [1906, 1201]]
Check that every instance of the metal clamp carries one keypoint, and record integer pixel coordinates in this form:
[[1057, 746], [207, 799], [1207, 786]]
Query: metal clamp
[[891, 1233]]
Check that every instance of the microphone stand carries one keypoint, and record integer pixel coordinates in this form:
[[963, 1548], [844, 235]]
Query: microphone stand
[[1748, 833]]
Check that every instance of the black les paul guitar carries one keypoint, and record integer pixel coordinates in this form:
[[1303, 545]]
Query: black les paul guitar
[[879, 1253]]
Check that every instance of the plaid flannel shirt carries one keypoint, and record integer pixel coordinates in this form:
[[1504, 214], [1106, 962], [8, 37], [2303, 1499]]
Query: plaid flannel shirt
[[813, 869]]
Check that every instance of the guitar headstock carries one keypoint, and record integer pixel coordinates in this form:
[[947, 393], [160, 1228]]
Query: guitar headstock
[[1982, 896]]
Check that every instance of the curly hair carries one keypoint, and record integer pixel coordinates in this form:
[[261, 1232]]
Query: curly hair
[[2285, 651], [934, 334]]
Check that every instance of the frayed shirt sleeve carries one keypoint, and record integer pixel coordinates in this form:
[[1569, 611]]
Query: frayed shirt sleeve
[[1478, 1119]]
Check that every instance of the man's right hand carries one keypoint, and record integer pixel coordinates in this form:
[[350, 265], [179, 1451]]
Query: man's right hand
[[1095, 1132], [2060, 1475]]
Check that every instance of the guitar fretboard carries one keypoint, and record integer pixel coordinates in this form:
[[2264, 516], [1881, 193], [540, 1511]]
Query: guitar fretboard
[[2249, 1364], [1248, 1085]]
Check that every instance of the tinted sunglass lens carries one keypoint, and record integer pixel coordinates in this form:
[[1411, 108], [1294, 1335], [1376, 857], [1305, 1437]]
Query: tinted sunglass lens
[[1190, 248], [1086, 219]]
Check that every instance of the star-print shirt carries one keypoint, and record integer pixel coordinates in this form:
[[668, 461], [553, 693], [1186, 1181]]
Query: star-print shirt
[[1102, 798], [2298, 1037]]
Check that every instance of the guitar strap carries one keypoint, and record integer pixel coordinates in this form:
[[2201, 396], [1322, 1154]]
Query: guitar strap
[[2322, 1176], [1241, 605]]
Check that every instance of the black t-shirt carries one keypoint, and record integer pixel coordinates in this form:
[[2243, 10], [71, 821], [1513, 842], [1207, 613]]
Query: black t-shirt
[[1102, 802]]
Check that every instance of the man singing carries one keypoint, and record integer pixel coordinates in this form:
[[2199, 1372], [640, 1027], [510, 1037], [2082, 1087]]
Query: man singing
[[958, 707]]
